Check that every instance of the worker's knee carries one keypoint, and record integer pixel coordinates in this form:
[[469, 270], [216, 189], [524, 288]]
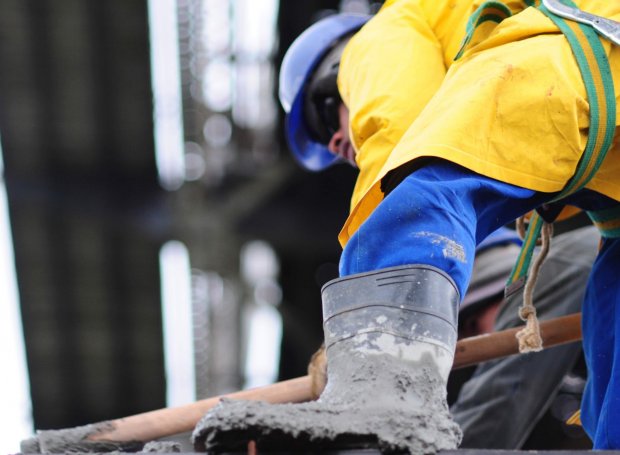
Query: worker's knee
[[435, 216]]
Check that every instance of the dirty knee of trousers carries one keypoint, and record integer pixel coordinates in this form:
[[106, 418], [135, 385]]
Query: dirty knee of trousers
[[390, 338]]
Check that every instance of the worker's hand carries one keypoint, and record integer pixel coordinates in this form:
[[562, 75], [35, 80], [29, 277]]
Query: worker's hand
[[317, 369]]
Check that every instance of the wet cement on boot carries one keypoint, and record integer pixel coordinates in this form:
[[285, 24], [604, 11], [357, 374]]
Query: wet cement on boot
[[388, 404], [75, 440]]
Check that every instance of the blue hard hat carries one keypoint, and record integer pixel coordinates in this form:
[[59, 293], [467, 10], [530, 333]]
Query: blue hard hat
[[298, 65]]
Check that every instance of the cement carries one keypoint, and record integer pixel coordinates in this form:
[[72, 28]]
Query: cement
[[376, 400], [162, 447], [75, 440]]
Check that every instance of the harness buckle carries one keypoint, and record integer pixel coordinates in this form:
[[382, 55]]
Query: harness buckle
[[606, 27]]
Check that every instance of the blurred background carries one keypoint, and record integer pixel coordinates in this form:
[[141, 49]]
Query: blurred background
[[158, 244]]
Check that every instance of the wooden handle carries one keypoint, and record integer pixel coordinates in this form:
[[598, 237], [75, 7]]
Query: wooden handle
[[554, 332], [469, 351], [153, 425]]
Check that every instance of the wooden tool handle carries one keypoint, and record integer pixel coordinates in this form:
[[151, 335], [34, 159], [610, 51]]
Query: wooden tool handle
[[156, 424], [554, 332], [469, 351]]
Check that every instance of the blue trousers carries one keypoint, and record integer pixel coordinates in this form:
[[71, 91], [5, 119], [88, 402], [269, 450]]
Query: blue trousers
[[437, 216]]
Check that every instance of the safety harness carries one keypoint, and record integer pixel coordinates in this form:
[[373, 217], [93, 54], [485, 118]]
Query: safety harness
[[582, 31], [596, 75]]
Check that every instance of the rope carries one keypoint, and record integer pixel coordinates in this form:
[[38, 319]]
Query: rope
[[521, 228], [529, 337]]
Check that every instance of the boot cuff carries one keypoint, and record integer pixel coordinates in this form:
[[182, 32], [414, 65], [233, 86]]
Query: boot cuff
[[416, 302]]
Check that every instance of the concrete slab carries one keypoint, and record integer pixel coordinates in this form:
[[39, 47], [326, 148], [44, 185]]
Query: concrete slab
[[450, 452], [376, 452]]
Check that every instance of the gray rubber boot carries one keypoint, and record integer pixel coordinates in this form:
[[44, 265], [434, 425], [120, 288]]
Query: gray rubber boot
[[390, 337]]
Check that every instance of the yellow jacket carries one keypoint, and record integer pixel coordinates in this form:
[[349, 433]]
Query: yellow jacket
[[513, 107]]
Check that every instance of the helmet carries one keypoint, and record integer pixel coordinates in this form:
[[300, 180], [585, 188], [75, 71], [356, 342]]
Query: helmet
[[299, 65]]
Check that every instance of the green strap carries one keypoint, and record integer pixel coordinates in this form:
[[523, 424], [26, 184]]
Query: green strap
[[607, 221], [487, 11], [596, 74], [518, 276]]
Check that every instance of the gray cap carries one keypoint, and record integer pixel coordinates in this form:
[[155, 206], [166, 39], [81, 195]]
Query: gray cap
[[492, 268]]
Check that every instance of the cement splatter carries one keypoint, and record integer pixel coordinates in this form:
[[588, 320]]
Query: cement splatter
[[374, 401], [162, 447], [450, 248], [76, 440]]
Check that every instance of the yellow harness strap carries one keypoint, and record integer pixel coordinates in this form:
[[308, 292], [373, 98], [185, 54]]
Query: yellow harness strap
[[596, 73]]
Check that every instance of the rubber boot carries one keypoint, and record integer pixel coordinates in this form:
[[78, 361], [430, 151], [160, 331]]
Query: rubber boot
[[390, 337]]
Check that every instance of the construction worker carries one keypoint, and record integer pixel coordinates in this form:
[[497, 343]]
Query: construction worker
[[461, 117]]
